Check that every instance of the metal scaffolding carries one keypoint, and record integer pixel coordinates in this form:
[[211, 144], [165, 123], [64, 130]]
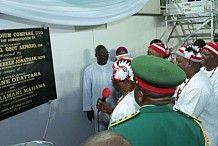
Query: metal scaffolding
[[187, 21]]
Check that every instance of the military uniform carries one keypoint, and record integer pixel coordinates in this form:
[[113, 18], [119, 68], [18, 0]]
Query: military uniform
[[159, 126], [156, 123]]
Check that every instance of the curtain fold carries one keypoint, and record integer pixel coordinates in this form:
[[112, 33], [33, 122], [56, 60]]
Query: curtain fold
[[72, 12]]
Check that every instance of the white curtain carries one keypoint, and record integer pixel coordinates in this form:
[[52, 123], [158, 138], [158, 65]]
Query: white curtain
[[72, 12]]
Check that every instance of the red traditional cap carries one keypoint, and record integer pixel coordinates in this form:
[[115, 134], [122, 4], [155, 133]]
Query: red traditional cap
[[212, 47], [190, 52], [121, 48], [160, 48], [122, 69]]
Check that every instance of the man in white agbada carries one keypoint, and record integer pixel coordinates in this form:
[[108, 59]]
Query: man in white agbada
[[97, 76], [209, 62], [122, 82], [196, 96]]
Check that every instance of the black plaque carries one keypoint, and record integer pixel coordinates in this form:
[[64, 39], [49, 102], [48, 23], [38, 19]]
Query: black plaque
[[26, 70]]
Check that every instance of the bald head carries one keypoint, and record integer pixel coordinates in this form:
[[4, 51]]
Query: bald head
[[106, 138]]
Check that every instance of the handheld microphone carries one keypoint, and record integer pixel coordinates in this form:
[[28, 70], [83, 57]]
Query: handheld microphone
[[105, 94]]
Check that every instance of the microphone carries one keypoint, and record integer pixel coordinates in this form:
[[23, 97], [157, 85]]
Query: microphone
[[105, 94]]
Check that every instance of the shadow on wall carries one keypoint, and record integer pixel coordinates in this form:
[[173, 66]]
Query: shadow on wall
[[112, 55], [24, 127], [71, 123], [68, 125]]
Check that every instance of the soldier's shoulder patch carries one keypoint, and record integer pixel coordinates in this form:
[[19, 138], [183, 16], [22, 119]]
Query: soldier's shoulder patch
[[125, 118], [199, 124], [188, 115]]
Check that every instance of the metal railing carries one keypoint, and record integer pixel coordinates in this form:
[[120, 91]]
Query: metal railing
[[191, 27], [164, 2]]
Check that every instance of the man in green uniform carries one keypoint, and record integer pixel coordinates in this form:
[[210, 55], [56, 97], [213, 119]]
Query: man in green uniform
[[156, 123]]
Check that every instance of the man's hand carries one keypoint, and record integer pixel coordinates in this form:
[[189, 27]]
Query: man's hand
[[90, 115], [103, 106]]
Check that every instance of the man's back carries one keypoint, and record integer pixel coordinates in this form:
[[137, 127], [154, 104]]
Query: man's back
[[160, 125]]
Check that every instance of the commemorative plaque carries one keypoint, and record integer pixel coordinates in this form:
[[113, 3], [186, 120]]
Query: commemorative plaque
[[26, 70]]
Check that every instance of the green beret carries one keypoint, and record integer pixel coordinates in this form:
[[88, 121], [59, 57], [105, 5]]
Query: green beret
[[156, 74]]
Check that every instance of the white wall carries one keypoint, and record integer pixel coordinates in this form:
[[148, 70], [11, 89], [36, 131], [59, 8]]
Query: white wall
[[72, 51]]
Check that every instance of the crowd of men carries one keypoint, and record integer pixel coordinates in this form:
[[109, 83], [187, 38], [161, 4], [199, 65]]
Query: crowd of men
[[156, 99]]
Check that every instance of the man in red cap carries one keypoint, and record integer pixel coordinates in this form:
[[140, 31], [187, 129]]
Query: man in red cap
[[156, 123], [123, 83], [122, 51], [158, 49], [196, 95], [209, 63]]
